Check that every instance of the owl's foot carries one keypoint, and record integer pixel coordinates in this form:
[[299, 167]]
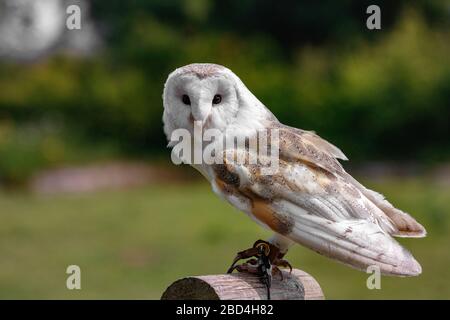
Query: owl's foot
[[264, 261], [280, 263]]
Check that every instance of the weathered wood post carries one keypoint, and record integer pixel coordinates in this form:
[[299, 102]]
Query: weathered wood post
[[297, 285]]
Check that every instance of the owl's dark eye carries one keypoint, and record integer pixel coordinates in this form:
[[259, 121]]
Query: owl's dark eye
[[186, 100], [217, 99]]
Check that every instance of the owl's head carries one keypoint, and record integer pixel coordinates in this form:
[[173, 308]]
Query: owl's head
[[211, 94]]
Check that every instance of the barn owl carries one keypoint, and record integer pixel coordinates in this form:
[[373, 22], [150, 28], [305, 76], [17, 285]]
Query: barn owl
[[310, 200]]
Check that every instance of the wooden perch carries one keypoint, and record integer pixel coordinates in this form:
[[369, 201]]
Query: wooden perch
[[243, 286]]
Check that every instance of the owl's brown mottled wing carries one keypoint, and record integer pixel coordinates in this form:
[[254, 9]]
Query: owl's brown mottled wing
[[316, 208], [307, 147]]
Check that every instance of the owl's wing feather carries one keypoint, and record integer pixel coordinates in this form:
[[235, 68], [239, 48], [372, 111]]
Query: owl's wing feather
[[306, 146], [355, 242], [317, 209], [312, 139], [296, 144], [406, 226]]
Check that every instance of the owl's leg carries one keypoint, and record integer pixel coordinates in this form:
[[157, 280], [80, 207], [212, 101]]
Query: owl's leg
[[275, 249], [261, 255], [283, 244], [259, 250], [266, 258]]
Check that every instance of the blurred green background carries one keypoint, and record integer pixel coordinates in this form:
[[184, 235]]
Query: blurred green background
[[86, 179]]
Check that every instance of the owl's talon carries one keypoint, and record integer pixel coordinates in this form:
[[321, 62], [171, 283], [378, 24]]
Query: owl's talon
[[273, 254], [283, 263], [249, 253], [276, 270], [246, 267], [265, 260]]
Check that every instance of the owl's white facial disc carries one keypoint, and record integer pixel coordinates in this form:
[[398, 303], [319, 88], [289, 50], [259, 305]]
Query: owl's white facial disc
[[210, 100], [213, 96]]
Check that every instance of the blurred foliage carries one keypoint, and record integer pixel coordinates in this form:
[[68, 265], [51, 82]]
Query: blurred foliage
[[377, 94]]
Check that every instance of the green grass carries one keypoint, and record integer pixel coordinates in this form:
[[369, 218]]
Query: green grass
[[132, 244]]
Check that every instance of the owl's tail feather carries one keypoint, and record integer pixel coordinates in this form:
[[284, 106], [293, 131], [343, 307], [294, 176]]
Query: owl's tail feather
[[405, 225], [357, 243]]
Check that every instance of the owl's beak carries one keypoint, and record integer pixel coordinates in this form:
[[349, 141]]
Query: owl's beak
[[201, 111]]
